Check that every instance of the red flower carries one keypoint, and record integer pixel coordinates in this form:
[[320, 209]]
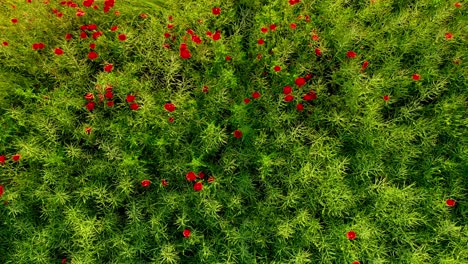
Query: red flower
[[114, 28], [186, 233], [92, 55], [191, 176], [228, 58], [310, 96], [83, 35], [238, 133], [201, 175], [293, 26], [169, 26], [108, 67], [196, 39], [300, 107], [185, 54], [2, 159], [351, 54], [109, 95], [259, 56], [289, 98], [205, 89], [171, 119], [92, 45], [80, 13], [14, 20], [5, 43], [216, 11], [110, 103], [448, 35], [277, 68], [134, 106], [308, 76], [130, 98], [88, 3], [351, 235], [217, 35], [122, 37], [16, 157], [170, 107], [416, 77], [457, 5], [41, 45], [450, 202], [247, 100], [170, 18], [300, 81], [97, 34], [190, 32], [89, 96], [264, 29], [2, 190], [90, 106], [318, 52], [211, 179], [272, 27], [68, 36], [364, 65], [256, 95], [287, 89], [166, 35], [198, 186], [88, 130], [143, 15], [58, 51], [164, 182], [209, 34], [92, 27], [386, 97], [145, 183], [356, 262], [261, 42], [315, 37]]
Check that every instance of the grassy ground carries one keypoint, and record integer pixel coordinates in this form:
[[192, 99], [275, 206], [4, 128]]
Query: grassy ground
[[280, 132]]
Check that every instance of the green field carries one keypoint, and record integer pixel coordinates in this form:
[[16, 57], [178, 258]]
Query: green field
[[234, 131]]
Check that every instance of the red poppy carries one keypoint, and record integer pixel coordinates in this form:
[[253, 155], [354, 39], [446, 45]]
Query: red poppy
[[450, 202], [164, 182], [92, 45], [109, 95], [198, 186], [217, 35], [89, 96], [364, 65], [246, 100], [169, 26], [287, 89], [292, 25], [256, 95], [16, 157], [88, 130], [92, 27], [209, 34], [122, 37], [300, 81], [5, 43], [201, 175], [185, 54], [58, 51], [88, 3], [259, 56], [166, 46], [260, 42], [90, 106], [80, 13], [205, 89], [134, 106], [170, 18], [216, 11], [2, 159], [288, 98], [264, 29], [356, 262], [277, 68], [83, 35], [171, 119], [167, 35], [186, 233], [310, 96], [211, 179], [97, 34], [170, 107], [351, 235], [14, 20], [190, 32], [83, 27], [196, 39], [68, 36], [108, 67], [145, 183], [130, 98], [59, 14], [386, 97], [448, 35], [457, 5], [92, 55], [114, 28], [108, 88], [40, 45], [110, 103], [307, 18], [351, 54], [308, 76], [143, 15], [2, 190], [238, 134], [416, 77], [272, 27], [191, 176], [300, 107], [228, 58], [315, 37], [318, 52]]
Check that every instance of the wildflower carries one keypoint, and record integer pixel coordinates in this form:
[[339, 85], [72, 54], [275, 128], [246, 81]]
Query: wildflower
[[170, 107], [171, 119], [217, 35], [5, 43], [109, 95], [272, 27], [247, 100], [237, 134], [198, 186], [277, 68], [256, 95], [80, 13], [300, 107], [261, 42], [2, 159], [110, 103], [351, 54], [164, 182], [211, 179], [90, 106], [216, 11], [92, 55], [122, 37], [170, 26], [228, 58], [201, 175], [14, 20], [318, 52], [190, 32], [416, 77], [264, 29], [97, 34], [315, 37], [134, 106], [448, 35], [386, 97], [356, 262], [186, 233], [259, 56], [292, 25], [167, 35], [310, 96], [364, 65], [130, 98], [145, 183], [2, 190], [92, 45], [457, 5], [300, 81], [92, 27], [205, 89], [83, 35], [289, 98], [114, 28], [89, 96], [450, 202], [68, 36], [287, 89], [351, 235], [143, 15], [191, 176], [108, 67], [58, 51], [308, 76], [88, 130], [16, 157]]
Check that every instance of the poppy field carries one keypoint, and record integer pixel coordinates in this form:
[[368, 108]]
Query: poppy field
[[234, 131]]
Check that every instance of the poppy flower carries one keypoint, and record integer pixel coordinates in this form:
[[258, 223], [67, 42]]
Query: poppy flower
[[110, 103], [238, 134], [185, 54], [287, 89], [288, 98], [308, 76], [205, 89], [259, 56], [171, 119], [122, 37], [416, 77], [198, 186], [196, 39], [68, 36], [41, 45], [92, 45], [130, 98], [457, 5], [351, 54], [186, 233], [356, 262], [272, 27], [170, 107], [300, 81], [450, 202], [89, 96], [5, 43], [83, 35], [134, 106], [2, 190], [264, 29], [300, 107], [90, 106], [108, 67], [351, 235], [190, 32], [315, 37], [386, 97], [217, 35], [167, 35], [2, 159], [58, 51], [228, 58], [16, 157], [92, 27], [216, 11], [310, 96], [169, 26], [318, 52], [80, 13], [191, 176], [448, 35], [109, 95], [88, 130], [201, 175], [277, 68], [292, 26], [14, 20], [364, 65], [114, 28], [211, 179], [92, 55], [164, 182], [247, 100], [209, 34], [88, 3], [145, 183], [260, 42], [59, 14], [256, 95], [97, 34]]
